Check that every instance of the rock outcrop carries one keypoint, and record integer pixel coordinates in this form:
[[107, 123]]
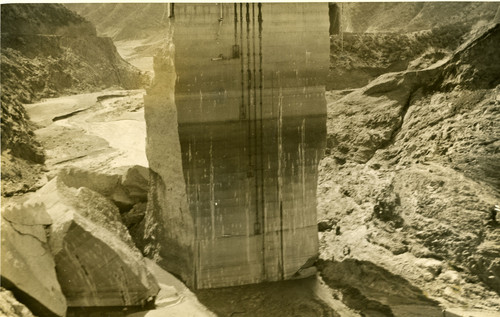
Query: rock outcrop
[[96, 261], [28, 268], [359, 283], [412, 175], [54, 50], [358, 58]]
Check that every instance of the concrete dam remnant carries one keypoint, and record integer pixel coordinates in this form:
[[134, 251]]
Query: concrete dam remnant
[[236, 126]]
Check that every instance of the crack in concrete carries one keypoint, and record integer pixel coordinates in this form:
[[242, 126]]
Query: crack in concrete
[[12, 224]]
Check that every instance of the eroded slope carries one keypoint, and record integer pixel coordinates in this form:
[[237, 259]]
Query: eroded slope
[[412, 178]]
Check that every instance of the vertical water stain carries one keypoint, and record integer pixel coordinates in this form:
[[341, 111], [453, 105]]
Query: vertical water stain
[[250, 154]]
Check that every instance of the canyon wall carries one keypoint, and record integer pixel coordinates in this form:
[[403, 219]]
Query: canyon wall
[[251, 116], [48, 50], [126, 21], [371, 39], [381, 17], [410, 182]]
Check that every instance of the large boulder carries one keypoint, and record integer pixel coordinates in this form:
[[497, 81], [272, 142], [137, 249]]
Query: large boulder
[[96, 261], [125, 187], [136, 183], [28, 268]]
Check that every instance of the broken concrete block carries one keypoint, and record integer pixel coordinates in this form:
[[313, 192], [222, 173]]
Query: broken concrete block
[[103, 183], [96, 261], [136, 183], [28, 268], [125, 187], [106, 184], [96, 268]]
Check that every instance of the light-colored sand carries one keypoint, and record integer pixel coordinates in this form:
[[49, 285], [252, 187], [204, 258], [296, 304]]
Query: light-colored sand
[[44, 111], [92, 132], [131, 51]]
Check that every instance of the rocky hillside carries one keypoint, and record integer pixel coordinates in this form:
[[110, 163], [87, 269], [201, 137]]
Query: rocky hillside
[[138, 29], [48, 50], [406, 17], [410, 181], [358, 58], [370, 39], [125, 21]]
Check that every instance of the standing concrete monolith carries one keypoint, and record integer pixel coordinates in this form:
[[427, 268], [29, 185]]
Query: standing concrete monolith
[[236, 126]]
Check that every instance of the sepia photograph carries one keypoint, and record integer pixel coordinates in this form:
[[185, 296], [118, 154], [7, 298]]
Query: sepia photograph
[[241, 159]]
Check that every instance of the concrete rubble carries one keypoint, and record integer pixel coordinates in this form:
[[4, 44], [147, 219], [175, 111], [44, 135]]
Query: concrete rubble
[[96, 261], [28, 268]]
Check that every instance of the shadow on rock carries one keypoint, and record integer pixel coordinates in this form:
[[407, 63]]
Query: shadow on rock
[[285, 298], [374, 291]]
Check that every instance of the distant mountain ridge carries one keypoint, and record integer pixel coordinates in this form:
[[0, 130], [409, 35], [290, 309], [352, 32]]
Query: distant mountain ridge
[[376, 17], [52, 19], [125, 21], [138, 29]]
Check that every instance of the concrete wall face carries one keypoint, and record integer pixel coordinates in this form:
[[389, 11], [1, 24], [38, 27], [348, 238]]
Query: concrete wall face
[[254, 201], [252, 123], [286, 49]]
